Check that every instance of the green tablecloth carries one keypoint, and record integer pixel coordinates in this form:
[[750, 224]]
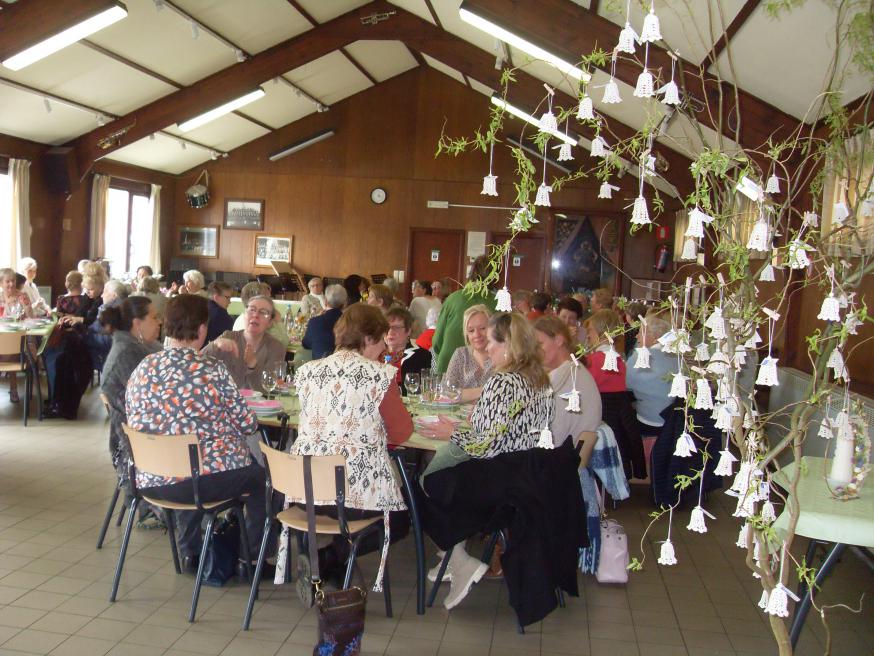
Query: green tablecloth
[[822, 516], [236, 306]]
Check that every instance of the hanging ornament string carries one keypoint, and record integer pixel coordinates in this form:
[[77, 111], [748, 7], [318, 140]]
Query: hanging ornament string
[[503, 297], [542, 198], [490, 182]]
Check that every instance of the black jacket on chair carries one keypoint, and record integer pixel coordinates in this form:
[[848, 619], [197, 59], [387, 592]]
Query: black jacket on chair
[[320, 333], [618, 413], [536, 496]]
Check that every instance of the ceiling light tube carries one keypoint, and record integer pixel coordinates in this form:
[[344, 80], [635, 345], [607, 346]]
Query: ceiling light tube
[[65, 38], [221, 110], [300, 145], [515, 111], [495, 30]]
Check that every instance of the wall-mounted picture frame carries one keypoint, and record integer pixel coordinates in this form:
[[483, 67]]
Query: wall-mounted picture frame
[[272, 248], [198, 241], [244, 214]]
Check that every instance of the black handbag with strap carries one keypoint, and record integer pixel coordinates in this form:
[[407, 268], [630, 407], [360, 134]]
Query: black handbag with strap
[[341, 612]]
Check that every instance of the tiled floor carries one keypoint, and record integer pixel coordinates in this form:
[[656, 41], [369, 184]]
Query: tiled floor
[[55, 481]]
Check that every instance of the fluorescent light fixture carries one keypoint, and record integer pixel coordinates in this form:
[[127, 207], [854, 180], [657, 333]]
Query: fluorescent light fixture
[[524, 45], [65, 38], [227, 108], [300, 145], [518, 113]]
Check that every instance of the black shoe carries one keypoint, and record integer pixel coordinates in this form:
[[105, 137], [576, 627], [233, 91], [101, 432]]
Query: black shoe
[[267, 571], [189, 564]]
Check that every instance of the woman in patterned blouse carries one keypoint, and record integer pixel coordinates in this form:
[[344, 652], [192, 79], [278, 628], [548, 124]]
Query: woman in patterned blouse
[[179, 391], [470, 365], [515, 406]]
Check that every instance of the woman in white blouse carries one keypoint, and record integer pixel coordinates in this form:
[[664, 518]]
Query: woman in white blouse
[[27, 268]]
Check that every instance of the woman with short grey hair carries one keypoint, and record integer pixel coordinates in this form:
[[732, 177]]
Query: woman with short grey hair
[[314, 303], [27, 268], [194, 283]]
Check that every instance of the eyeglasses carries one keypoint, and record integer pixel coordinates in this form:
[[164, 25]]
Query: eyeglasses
[[261, 313], [227, 297], [398, 329]]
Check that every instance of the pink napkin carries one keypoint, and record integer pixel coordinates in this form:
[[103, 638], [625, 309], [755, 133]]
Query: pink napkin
[[264, 404]]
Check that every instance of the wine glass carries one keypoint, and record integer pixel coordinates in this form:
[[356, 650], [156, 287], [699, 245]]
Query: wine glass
[[279, 370], [412, 383], [268, 381]]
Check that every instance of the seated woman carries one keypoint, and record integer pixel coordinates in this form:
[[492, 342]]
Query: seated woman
[[256, 350], [193, 283], [470, 365], [27, 268], [350, 404], [380, 296], [514, 408], [597, 326], [400, 352], [421, 305], [652, 385], [314, 303], [134, 326], [151, 289], [179, 391], [74, 300], [579, 425], [14, 304], [277, 329]]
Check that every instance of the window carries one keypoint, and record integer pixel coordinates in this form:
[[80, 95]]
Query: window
[[128, 230], [851, 187]]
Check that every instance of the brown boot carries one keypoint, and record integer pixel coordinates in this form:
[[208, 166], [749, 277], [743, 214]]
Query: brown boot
[[496, 570]]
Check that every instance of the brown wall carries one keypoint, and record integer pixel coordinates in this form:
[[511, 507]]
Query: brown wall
[[386, 137]]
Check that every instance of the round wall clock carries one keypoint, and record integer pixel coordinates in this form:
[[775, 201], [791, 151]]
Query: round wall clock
[[378, 195]]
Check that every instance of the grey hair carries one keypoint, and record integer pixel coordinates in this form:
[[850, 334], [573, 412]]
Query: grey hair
[[195, 276], [336, 296], [264, 298], [312, 280], [656, 325], [392, 284], [118, 288], [26, 263]]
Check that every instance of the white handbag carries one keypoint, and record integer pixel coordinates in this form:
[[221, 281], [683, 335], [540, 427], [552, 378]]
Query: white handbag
[[613, 554]]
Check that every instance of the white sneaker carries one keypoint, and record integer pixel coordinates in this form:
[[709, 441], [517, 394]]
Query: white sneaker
[[434, 571], [465, 572]]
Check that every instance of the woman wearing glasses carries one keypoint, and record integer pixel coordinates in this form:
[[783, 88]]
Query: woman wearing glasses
[[256, 349]]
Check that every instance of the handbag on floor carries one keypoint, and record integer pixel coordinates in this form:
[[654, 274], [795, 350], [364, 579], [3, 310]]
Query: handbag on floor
[[340, 612], [613, 555]]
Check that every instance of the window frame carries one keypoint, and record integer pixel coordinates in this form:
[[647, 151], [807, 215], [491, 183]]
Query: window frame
[[133, 189]]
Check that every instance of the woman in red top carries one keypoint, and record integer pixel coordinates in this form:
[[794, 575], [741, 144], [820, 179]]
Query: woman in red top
[[598, 326]]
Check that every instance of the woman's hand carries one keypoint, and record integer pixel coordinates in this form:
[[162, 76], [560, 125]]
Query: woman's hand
[[226, 345], [70, 320], [441, 429]]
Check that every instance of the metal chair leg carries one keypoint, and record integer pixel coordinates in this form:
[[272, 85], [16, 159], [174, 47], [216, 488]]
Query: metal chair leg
[[802, 608], [350, 562], [436, 587], [559, 593], [171, 531], [123, 550], [244, 537], [416, 521], [259, 566], [207, 538], [108, 517]]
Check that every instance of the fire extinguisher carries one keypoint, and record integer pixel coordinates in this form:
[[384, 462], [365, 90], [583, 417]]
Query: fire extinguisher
[[662, 258]]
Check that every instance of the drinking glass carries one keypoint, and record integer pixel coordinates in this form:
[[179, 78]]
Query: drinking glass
[[279, 370], [449, 390], [268, 380], [427, 386], [412, 383]]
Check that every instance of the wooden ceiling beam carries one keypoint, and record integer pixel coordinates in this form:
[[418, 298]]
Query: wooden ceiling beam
[[234, 81], [570, 31], [732, 29]]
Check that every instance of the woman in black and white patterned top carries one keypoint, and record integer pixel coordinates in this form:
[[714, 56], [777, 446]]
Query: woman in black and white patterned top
[[515, 406]]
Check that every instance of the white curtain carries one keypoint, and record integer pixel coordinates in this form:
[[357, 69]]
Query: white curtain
[[155, 245], [99, 198], [19, 170]]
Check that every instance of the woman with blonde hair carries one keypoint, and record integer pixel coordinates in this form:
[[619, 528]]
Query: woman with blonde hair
[[515, 406], [380, 296], [470, 365]]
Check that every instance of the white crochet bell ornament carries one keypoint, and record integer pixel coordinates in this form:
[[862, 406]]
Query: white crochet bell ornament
[[564, 153], [644, 88], [627, 37], [778, 602], [611, 93], [836, 362], [672, 93], [767, 274], [678, 386], [642, 359], [690, 250], [831, 309], [760, 237], [840, 213], [773, 185], [715, 323], [696, 520], [811, 219], [542, 198], [754, 340], [697, 219], [490, 185], [763, 602], [611, 359], [798, 255], [504, 300], [702, 352], [599, 148], [640, 213], [548, 122], [651, 30], [667, 556], [743, 535], [769, 515], [724, 418], [703, 396], [685, 446], [585, 111], [545, 439], [768, 372], [606, 190], [826, 428], [573, 397], [725, 466]]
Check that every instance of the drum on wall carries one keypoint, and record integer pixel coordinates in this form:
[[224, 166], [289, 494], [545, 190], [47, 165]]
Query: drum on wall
[[197, 194]]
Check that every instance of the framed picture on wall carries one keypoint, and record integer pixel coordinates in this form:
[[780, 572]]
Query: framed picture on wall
[[199, 241], [244, 214], [271, 248]]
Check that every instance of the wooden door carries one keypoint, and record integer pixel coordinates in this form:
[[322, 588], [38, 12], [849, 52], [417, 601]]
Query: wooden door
[[435, 253], [527, 260]]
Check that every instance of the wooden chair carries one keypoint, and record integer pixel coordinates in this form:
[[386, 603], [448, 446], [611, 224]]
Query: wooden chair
[[13, 344], [285, 475], [176, 456]]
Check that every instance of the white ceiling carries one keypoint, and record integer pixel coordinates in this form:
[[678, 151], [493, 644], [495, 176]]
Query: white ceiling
[[766, 57]]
